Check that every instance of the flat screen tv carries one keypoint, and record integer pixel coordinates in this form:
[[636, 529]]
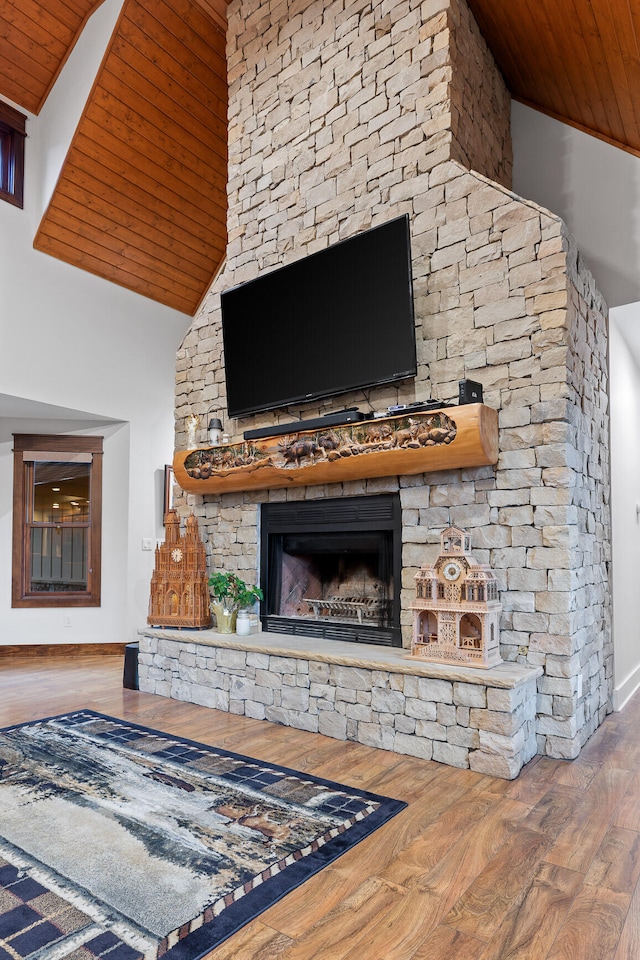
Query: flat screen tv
[[335, 321]]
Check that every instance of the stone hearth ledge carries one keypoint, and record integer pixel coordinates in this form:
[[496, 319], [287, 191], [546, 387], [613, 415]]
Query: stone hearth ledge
[[463, 716], [370, 656]]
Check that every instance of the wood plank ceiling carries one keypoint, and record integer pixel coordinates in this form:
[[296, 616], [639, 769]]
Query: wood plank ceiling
[[36, 38], [141, 199], [576, 60]]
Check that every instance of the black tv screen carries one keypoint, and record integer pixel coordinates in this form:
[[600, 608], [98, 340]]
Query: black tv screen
[[337, 320]]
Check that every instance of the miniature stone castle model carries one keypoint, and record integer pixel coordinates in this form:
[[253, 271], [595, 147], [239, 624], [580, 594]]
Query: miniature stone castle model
[[457, 611], [179, 585]]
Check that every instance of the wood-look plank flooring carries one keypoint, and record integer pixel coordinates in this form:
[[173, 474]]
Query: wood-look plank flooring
[[545, 867]]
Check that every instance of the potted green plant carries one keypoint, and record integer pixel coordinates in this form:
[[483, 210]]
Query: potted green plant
[[230, 594]]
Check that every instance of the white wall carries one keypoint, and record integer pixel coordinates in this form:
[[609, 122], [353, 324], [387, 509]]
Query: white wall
[[593, 186], [64, 105], [74, 341], [625, 483]]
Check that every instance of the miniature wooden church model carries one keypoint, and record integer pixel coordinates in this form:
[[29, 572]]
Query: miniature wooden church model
[[457, 612], [179, 585]]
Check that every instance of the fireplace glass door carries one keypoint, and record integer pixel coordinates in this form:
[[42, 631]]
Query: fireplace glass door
[[331, 569]]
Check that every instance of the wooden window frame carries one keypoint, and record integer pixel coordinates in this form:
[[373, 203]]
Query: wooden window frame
[[21, 596], [12, 136]]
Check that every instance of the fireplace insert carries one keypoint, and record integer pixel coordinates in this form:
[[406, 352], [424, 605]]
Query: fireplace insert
[[332, 568]]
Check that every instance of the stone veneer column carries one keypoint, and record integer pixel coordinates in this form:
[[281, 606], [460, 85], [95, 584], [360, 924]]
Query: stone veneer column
[[342, 116]]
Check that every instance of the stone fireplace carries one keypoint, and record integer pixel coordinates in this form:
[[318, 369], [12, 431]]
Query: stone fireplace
[[331, 568], [343, 116]]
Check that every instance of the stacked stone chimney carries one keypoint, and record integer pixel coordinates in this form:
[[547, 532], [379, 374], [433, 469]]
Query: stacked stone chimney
[[343, 115]]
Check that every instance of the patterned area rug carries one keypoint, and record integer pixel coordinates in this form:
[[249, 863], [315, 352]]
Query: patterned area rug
[[121, 842]]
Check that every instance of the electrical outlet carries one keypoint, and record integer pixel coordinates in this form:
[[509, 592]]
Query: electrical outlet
[[147, 543]]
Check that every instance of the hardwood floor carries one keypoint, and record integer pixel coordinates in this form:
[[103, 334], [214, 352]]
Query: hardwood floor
[[545, 867]]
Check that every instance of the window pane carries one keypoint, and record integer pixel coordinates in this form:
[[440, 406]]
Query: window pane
[[58, 559], [5, 158], [12, 137], [60, 492], [57, 513]]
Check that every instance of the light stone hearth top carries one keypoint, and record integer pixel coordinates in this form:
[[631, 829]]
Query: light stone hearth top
[[367, 656]]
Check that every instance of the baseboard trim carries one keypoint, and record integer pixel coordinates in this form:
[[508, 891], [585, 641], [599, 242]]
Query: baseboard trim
[[623, 693], [62, 649]]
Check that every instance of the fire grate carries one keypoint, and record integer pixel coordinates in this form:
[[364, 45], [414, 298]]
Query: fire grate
[[371, 608]]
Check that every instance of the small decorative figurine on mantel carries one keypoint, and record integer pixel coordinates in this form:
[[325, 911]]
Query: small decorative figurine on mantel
[[179, 585], [457, 611]]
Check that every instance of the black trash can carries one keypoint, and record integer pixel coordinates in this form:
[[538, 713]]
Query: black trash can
[[130, 674]]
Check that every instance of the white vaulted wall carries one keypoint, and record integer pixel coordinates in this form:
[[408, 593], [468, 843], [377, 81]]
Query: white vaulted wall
[[625, 509], [82, 355]]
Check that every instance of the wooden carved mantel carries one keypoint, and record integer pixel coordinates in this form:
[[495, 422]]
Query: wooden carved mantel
[[445, 439]]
